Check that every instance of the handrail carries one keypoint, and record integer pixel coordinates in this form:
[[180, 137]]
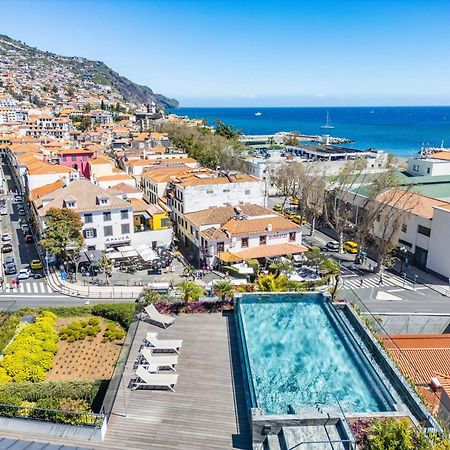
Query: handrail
[[334, 441]]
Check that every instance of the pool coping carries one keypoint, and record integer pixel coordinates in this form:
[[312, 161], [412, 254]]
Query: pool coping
[[415, 409]]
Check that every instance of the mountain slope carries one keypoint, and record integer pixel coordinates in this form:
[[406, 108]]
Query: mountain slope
[[86, 70]]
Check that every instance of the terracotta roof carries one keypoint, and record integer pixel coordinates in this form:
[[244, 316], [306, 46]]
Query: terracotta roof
[[124, 188], [440, 155], [117, 177], [411, 202], [222, 214], [205, 177], [214, 234], [139, 205], [263, 251], [43, 168], [102, 159], [86, 195], [420, 357], [164, 174], [75, 151], [259, 225], [46, 189]]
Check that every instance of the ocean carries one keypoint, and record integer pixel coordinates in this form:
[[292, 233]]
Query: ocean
[[401, 130]]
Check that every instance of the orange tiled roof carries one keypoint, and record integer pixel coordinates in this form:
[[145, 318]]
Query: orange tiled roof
[[195, 178], [165, 174], [411, 202], [46, 189], [263, 251], [259, 225], [441, 155]]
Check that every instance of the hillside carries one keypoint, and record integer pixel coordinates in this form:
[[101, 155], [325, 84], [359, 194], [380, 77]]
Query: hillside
[[77, 69]]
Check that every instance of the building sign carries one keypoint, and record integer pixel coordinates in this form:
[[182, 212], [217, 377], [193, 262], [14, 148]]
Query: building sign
[[117, 239], [278, 236]]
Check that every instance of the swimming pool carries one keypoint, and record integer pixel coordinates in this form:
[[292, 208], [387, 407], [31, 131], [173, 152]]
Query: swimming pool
[[297, 352]]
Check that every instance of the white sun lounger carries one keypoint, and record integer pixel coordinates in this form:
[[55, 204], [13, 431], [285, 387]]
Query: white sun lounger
[[155, 316], [145, 379], [151, 340], [147, 358]]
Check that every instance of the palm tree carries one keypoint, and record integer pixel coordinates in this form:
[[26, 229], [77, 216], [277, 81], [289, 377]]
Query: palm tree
[[271, 283], [191, 291], [332, 269], [224, 289]]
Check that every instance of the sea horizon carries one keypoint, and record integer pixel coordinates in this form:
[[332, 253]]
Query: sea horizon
[[401, 130]]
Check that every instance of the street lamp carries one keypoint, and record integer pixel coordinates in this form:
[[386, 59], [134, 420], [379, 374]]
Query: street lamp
[[403, 252]]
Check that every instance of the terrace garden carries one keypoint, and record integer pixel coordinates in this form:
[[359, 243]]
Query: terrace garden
[[56, 363]]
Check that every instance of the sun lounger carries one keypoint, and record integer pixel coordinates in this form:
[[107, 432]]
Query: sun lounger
[[147, 379], [149, 359], [155, 316], [151, 340]]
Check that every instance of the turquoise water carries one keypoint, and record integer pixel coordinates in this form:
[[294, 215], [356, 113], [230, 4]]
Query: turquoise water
[[297, 357], [401, 130]]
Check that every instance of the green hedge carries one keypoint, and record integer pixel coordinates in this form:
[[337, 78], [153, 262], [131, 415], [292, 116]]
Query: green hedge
[[233, 272], [122, 313], [7, 330], [78, 330], [113, 332]]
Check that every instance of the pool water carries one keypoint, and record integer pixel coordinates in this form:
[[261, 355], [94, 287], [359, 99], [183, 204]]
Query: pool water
[[297, 353]]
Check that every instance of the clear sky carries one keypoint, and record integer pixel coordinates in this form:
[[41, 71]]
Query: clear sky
[[254, 52]]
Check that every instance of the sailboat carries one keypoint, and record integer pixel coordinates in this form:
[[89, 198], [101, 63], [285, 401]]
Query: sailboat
[[328, 123], [257, 113]]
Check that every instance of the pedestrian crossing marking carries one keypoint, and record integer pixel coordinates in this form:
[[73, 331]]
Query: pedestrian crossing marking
[[371, 282], [29, 288]]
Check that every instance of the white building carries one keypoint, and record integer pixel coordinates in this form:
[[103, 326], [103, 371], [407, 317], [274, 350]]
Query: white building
[[432, 166]]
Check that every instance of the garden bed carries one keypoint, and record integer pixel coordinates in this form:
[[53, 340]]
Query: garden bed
[[87, 359]]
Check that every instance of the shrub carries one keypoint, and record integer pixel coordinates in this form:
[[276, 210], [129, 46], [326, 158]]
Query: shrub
[[254, 264], [123, 313], [30, 355], [79, 329], [7, 330], [113, 332], [233, 272], [194, 307]]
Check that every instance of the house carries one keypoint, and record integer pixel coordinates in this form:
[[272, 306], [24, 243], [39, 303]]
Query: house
[[77, 158], [229, 234]]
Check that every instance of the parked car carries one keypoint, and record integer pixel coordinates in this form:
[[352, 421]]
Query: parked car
[[36, 264], [350, 247], [9, 259], [333, 245], [7, 248], [21, 212], [6, 237], [24, 274], [17, 198], [4, 211], [10, 268], [278, 207], [26, 229], [29, 239], [299, 220]]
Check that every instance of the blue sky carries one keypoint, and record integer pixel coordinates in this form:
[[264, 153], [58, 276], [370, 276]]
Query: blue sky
[[254, 53]]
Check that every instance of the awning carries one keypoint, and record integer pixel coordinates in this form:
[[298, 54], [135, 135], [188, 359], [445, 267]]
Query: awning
[[263, 251]]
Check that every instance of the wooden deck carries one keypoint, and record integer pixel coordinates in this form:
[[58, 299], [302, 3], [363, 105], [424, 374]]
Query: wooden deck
[[207, 411]]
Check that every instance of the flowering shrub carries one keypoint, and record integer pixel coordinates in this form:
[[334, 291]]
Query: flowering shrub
[[194, 307]]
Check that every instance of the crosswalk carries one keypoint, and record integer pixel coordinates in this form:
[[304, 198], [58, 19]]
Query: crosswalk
[[371, 282], [28, 288]]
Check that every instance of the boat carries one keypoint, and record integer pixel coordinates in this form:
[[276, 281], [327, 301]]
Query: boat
[[328, 123], [257, 113]]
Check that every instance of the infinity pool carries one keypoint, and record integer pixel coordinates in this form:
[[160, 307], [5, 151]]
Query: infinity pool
[[297, 352]]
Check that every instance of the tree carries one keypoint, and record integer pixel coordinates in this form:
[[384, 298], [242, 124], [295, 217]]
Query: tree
[[62, 234], [102, 105], [225, 130], [224, 289], [292, 141], [271, 283], [283, 266], [191, 291], [330, 267], [107, 266]]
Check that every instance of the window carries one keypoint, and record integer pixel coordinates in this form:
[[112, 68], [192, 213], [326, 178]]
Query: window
[[165, 222], [90, 233], [262, 240], [416, 168], [424, 230], [125, 228], [226, 190], [220, 247], [124, 214], [192, 230], [404, 228], [88, 218], [64, 159], [247, 192], [244, 242], [107, 216], [90, 248], [292, 236], [70, 204], [408, 244], [428, 169], [74, 158], [108, 230], [210, 192], [84, 157]]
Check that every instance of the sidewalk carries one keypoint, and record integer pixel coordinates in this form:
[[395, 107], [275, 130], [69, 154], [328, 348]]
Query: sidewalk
[[422, 277], [91, 292]]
